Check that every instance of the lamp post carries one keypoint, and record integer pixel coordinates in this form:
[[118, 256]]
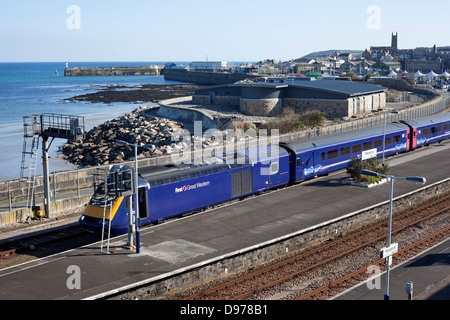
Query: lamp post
[[136, 188], [420, 180], [384, 128]]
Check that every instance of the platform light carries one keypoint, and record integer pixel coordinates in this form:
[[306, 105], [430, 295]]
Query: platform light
[[136, 188], [419, 180]]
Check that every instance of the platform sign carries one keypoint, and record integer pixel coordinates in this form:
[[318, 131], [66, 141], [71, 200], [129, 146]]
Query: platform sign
[[388, 251], [369, 154]]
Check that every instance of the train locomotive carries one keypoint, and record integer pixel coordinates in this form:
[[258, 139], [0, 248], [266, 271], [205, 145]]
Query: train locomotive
[[167, 191]]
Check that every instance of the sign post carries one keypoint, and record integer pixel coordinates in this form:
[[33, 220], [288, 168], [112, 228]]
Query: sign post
[[409, 290]]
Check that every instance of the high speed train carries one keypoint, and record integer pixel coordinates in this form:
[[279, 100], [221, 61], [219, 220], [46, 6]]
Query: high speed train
[[166, 191]]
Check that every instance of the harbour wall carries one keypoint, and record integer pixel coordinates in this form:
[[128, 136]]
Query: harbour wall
[[204, 78], [113, 71]]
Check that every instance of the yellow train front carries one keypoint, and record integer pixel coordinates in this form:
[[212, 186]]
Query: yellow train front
[[110, 203]]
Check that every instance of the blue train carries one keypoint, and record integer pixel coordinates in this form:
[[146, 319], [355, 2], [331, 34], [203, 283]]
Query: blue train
[[167, 191]]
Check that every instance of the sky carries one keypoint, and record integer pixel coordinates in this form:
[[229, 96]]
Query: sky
[[225, 30]]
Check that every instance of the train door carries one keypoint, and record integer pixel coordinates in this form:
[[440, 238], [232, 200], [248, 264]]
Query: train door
[[408, 140], [298, 169], [143, 207], [414, 139]]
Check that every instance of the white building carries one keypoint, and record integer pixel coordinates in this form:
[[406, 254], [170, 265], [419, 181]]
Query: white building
[[208, 65]]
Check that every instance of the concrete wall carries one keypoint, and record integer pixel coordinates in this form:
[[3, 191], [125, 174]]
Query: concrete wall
[[185, 114], [261, 107], [216, 100], [331, 108], [207, 78], [59, 207], [364, 104]]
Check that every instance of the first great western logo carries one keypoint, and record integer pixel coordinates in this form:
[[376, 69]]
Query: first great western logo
[[189, 187]]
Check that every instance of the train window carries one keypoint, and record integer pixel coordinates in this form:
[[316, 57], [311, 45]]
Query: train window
[[345, 151], [445, 127], [333, 154], [388, 140], [274, 168], [425, 132], [439, 128], [377, 143], [356, 148], [367, 145], [433, 130], [397, 139], [298, 162], [323, 156]]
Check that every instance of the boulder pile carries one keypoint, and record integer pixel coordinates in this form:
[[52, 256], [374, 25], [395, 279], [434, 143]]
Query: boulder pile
[[100, 146], [159, 135]]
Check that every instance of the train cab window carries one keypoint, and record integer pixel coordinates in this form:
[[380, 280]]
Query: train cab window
[[425, 132], [345, 151], [356, 148], [397, 139], [377, 143], [333, 154], [367, 145], [388, 140]]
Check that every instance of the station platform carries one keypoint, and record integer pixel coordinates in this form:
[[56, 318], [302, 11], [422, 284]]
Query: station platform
[[194, 240], [429, 272]]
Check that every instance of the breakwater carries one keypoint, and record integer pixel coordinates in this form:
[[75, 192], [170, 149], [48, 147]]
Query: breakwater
[[113, 71], [204, 78]]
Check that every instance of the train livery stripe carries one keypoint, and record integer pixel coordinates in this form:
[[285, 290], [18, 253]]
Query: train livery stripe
[[97, 212]]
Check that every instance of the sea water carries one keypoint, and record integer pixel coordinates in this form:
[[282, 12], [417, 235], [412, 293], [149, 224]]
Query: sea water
[[35, 88]]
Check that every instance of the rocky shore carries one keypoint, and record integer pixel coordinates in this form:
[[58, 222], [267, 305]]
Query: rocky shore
[[100, 146], [161, 137], [143, 93]]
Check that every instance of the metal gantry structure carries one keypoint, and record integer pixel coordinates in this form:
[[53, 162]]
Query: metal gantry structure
[[44, 126]]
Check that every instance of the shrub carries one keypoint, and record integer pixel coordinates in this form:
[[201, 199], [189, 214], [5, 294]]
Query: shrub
[[290, 121], [356, 165]]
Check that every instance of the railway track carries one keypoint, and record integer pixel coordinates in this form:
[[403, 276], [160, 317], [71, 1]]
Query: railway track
[[249, 285], [31, 242], [339, 286]]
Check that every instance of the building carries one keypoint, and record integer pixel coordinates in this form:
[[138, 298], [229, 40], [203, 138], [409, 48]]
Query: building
[[208, 65], [336, 99], [385, 67], [392, 48]]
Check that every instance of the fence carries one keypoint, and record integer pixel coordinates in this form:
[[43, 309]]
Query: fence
[[81, 180]]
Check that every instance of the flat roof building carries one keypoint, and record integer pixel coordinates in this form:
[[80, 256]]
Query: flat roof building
[[334, 98]]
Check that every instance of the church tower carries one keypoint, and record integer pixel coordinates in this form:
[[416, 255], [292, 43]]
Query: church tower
[[394, 43]]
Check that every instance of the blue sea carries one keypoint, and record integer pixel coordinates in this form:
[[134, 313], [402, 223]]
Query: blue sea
[[35, 88]]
